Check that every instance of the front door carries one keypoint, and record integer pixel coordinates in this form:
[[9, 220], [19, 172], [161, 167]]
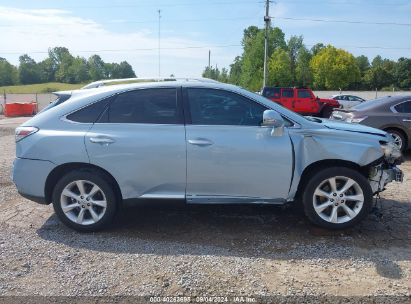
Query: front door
[[305, 102], [230, 157]]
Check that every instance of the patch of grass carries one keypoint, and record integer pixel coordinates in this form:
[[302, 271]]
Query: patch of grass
[[41, 87]]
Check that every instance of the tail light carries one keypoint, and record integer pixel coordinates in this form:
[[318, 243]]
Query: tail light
[[23, 132]]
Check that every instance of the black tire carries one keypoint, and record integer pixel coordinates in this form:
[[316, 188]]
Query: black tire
[[326, 112], [400, 135], [318, 178], [97, 178]]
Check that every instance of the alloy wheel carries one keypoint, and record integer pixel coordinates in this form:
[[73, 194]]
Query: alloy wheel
[[338, 199], [397, 140], [83, 202]]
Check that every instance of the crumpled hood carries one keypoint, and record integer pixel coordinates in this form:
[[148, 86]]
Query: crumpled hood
[[332, 124]]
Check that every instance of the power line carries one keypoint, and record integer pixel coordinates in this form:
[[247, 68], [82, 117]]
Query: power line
[[128, 50], [345, 21], [191, 47], [210, 19], [131, 22], [191, 3]]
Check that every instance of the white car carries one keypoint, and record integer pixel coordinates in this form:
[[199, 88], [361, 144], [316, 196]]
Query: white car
[[348, 101]]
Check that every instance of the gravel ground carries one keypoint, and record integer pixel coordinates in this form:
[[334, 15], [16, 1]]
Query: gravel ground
[[169, 250]]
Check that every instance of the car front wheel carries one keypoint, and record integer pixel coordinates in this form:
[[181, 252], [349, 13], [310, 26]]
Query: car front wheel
[[337, 198], [84, 200]]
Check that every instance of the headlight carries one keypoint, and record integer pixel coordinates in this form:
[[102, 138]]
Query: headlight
[[391, 150], [355, 119]]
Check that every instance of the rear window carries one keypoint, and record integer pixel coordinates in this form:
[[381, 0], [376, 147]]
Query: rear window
[[271, 92], [404, 107], [155, 106], [60, 99], [90, 113]]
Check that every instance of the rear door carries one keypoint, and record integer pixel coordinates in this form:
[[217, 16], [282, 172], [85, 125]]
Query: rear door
[[404, 114], [140, 140]]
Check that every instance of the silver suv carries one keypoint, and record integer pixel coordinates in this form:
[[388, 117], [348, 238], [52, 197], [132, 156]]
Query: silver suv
[[202, 142]]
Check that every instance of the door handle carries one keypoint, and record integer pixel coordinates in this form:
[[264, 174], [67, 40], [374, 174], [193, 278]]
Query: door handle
[[406, 120], [202, 142], [101, 140]]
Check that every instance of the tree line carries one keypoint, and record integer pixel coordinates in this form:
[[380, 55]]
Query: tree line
[[61, 66], [323, 67]]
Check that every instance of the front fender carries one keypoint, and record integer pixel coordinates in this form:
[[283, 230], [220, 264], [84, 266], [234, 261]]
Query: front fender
[[311, 146]]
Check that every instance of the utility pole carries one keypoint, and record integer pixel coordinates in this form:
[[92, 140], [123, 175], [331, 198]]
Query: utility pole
[[267, 27], [159, 54], [209, 58]]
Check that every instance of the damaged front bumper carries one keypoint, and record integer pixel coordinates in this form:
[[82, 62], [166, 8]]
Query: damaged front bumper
[[383, 174]]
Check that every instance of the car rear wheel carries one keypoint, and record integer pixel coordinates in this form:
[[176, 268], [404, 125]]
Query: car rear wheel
[[84, 200], [337, 198], [399, 138]]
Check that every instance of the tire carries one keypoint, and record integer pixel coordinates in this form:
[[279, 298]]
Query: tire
[[326, 112], [85, 212], [332, 212], [399, 138]]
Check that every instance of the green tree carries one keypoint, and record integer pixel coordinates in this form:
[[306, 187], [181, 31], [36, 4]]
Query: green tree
[[316, 48], [294, 44], [97, 68], [223, 75], [28, 70], [403, 73], [303, 72], [362, 63], [211, 72], [280, 69], [381, 73], [376, 78], [8, 73], [235, 71], [126, 70], [334, 68], [253, 54], [64, 60], [47, 70], [57, 55], [78, 70]]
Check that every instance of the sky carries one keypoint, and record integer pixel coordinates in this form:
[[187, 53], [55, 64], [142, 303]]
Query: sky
[[128, 30]]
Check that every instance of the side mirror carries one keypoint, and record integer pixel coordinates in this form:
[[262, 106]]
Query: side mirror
[[271, 118]]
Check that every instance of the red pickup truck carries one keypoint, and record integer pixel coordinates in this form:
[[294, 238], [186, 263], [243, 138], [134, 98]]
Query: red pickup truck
[[301, 100]]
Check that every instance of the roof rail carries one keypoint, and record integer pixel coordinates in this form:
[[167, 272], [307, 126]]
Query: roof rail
[[101, 83]]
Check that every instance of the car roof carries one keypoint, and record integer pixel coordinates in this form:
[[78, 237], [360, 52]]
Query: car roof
[[382, 103], [155, 84]]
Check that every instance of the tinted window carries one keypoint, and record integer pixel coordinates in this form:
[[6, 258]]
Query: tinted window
[[89, 114], [217, 107], [287, 93], [271, 92], [158, 106], [304, 94], [404, 107]]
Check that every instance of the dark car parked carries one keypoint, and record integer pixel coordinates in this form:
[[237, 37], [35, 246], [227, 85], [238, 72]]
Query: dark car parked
[[391, 114]]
